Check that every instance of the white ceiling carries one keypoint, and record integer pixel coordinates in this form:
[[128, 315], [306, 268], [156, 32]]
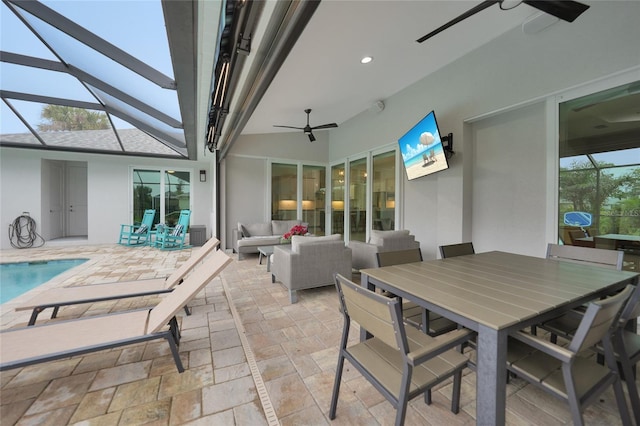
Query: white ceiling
[[323, 71]]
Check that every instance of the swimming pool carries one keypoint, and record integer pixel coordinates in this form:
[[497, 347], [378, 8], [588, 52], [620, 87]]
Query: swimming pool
[[18, 278]]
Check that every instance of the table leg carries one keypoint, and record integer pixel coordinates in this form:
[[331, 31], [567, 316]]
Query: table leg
[[269, 263], [491, 377]]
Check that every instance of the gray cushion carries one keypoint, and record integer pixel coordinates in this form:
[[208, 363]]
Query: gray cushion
[[297, 240], [257, 229], [281, 227], [378, 237]]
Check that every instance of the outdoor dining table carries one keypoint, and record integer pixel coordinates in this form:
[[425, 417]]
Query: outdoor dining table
[[494, 294]]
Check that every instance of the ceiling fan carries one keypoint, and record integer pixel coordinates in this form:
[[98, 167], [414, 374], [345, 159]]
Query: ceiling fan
[[308, 130], [562, 9]]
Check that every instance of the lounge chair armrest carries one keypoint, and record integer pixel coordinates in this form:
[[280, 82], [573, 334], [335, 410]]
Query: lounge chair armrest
[[438, 345], [545, 346]]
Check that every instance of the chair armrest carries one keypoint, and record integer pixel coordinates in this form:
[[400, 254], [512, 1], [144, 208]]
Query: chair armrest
[[364, 254], [558, 352], [438, 345]]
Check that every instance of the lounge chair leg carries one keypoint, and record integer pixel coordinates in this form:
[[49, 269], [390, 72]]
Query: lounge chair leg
[[174, 351], [187, 310], [34, 315], [55, 312]]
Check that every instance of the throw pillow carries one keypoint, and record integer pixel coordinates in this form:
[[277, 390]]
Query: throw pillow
[[141, 230], [177, 231], [244, 233]]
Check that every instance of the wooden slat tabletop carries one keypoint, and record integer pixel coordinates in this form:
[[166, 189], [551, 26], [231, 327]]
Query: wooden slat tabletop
[[498, 289]]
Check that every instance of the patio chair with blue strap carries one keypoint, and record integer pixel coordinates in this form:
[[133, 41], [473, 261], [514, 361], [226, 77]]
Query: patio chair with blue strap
[[138, 234], [172, 238]]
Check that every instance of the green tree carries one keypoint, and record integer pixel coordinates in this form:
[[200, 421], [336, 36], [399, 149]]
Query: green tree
[[62, 117], [579, 185], [142, 200]]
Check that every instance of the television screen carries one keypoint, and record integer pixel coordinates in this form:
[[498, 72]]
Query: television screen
[[422, 150]]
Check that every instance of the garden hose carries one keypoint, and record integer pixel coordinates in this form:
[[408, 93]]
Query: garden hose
[[22, 233]]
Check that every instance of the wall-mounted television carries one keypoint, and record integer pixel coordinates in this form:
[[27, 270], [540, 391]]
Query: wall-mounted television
[[422, 150]]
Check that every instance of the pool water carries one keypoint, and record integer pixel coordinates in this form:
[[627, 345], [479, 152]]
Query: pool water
[[18, 278]]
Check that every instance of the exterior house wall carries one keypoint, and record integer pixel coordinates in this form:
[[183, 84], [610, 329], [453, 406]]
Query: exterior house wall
[[22, 188]]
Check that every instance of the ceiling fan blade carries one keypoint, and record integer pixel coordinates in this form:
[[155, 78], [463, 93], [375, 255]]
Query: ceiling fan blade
[[325, 126], [289, 127], [482, 6], [565, 10], [311, 137]]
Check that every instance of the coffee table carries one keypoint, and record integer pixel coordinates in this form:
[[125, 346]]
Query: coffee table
[[266, 251]]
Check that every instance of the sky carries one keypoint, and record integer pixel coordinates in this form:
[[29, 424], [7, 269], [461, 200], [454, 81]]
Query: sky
[[141, 33]]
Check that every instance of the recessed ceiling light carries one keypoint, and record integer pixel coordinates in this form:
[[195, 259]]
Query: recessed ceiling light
[[366, 60]]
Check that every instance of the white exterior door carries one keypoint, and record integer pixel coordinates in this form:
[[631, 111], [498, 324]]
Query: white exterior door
[[56, 206], [76, 186]]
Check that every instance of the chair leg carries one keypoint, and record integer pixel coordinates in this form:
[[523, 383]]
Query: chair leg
[[574, 403], [630, 379], [336, 387], [455, 394], [404, 395]]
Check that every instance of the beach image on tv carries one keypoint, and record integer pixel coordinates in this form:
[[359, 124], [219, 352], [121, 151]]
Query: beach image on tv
[[421, 148]]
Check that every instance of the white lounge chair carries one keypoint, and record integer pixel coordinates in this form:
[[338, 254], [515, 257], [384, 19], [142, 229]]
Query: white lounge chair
[[63, 296], [41, 343]]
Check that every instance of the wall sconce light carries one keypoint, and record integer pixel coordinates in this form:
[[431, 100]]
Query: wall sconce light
[[308, 205], [391, 204], [203, 175]]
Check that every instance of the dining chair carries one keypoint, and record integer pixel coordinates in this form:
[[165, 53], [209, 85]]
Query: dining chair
[[565, 324], [453, 250], [626, 342], [567, 372], [611, 259], [401, 363], [429, 322]]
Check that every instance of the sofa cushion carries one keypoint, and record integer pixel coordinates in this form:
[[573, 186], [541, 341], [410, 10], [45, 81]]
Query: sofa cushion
[[281, 227], [254, 229], [297, 240], [377, 237]]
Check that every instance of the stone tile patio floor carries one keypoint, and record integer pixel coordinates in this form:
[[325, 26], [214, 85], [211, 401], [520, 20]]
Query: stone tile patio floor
[[251, 358]]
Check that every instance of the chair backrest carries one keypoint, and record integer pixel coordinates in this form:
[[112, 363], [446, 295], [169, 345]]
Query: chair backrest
[[173, 302], [598, 319], [632, 309], [587, 256], [575, 234], [379, 315], [183, 219], [147, 218], [196, 256], [453, 250], [398, 257]]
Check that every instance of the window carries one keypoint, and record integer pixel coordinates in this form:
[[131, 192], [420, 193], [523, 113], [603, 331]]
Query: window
[[284, 184], [148, 187], [337, 199], [384, 184], [599, 177], [358, 199], [313, 198]]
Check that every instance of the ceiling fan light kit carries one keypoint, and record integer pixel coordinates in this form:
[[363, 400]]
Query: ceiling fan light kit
[[308, 130]]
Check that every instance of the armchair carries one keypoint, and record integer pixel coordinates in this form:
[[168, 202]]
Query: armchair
[[364, 254], [173, 238], [135, 235], [310, 262]]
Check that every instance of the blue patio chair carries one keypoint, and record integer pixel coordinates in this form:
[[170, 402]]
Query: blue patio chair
[[172, 238], [137, 235]]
